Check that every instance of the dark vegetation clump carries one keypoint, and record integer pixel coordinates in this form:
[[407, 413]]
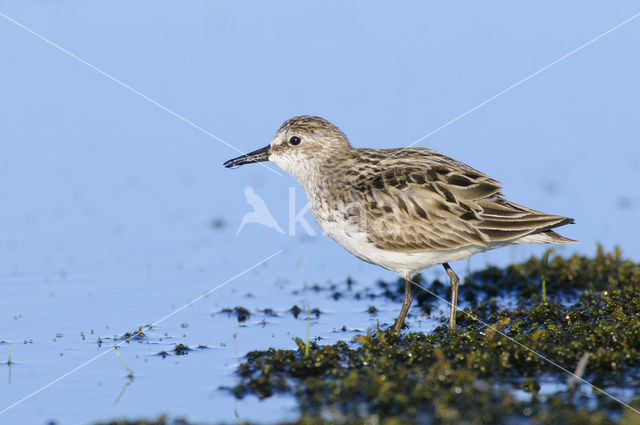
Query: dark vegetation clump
[[565, 278], [181, 350], [241, 313], [160, 420], [295, 310], [136, 335], [269, 312], [491, 369]]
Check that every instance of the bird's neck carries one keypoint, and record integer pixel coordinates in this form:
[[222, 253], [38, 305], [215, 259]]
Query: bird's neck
[[323, 179]]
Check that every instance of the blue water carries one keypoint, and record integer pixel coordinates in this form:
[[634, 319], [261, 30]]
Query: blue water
[[113, 212]]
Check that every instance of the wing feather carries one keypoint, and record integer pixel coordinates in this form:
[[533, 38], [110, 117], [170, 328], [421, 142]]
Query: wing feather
[[421, 200]]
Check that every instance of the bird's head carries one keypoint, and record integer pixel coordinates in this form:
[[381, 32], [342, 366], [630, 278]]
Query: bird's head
[[300, 144]]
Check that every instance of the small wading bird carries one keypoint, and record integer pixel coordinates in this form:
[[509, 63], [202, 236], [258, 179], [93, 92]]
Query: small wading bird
[[404, 209]]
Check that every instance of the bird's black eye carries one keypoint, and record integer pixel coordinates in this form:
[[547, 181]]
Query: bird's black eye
[[295, 140]]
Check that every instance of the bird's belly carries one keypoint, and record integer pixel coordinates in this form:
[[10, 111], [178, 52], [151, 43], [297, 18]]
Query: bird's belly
[[359, 244]]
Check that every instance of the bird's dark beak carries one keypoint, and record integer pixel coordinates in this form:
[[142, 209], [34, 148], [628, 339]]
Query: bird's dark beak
[[259, 155]]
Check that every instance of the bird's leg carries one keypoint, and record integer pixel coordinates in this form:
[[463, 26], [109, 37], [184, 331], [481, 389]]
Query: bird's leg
[[453, 279], [406, 303]]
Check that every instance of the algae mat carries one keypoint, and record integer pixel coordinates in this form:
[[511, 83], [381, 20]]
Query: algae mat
[[507, 362]]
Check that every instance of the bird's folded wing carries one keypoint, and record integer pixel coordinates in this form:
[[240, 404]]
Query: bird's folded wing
[[431, 206]]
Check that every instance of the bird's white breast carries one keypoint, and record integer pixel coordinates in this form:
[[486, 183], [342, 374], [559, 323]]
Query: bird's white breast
[[352, 238]]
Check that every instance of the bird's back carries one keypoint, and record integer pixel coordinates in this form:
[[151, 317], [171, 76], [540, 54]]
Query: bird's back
[[415, 199]]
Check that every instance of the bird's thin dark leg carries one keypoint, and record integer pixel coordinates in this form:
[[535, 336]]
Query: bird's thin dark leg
[[453, 279], [406, 303]]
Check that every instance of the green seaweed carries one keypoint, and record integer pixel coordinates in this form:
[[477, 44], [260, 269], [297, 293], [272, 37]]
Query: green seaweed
[[488, 371], [472, 374]]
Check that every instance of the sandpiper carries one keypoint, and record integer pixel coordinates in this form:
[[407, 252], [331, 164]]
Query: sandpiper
[[404, 209]]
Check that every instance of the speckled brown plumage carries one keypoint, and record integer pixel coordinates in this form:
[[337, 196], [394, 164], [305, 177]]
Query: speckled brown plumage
[[420, 200]]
